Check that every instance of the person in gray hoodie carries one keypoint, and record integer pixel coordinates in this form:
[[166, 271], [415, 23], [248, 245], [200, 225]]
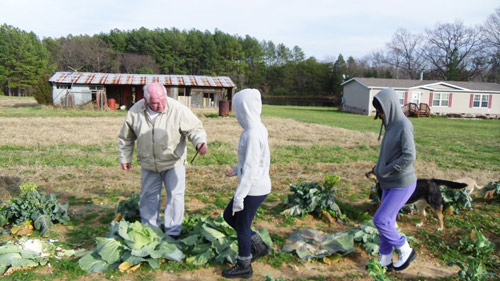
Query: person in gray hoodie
[[396, 176], [254, 182]]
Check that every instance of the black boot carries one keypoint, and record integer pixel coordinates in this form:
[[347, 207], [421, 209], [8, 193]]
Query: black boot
[[259, 248], [242, 269]]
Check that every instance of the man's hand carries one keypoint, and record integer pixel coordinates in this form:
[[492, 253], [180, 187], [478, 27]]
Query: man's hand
[[202, 148], [126, 166]]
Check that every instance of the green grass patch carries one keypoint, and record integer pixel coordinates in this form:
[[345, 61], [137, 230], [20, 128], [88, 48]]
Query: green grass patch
[[36, 110], [450, 143], [287, 221], [221, 203], [68, 269], [84, 236], [483, 217], [322, 154], [277, 258], [107, 217], [330, 116], [354, 212], [26, 276], [61, 155], [220, 153]]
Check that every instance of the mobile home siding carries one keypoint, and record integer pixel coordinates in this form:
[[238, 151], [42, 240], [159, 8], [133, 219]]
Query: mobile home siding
[[359, 101], [359, 92]]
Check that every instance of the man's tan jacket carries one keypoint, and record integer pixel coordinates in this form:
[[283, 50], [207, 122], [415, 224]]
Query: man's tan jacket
[[162, 145]]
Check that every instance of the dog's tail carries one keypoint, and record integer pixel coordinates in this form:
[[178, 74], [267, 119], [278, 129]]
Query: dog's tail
[[450, 184]]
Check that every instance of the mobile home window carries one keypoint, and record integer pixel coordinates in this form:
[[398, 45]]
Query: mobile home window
[[439, 99], [480, 100], [401, 96]]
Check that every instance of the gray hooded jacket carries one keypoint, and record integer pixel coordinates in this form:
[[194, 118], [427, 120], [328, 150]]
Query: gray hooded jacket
[[253, 149], [394, 168]]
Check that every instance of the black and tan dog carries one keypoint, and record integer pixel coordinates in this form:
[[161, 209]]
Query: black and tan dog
[[427, 193]]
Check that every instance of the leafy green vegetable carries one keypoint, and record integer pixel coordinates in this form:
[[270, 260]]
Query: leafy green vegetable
[[477, 245], [376, 271], [310, 243], [476, 271], [28, 253], [367, 236], [456, 199], [131, 243], [129, 209], [34, 206], [27, 187], [313, 198], [209, 240], [492, 190]]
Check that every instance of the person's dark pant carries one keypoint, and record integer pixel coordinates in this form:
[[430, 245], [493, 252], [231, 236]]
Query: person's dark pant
[[242, 222]]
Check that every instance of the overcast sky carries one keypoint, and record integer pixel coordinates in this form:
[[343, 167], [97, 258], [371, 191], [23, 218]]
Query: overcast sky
[[321, 28]]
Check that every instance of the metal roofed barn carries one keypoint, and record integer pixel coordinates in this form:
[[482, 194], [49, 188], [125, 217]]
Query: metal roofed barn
[[122, 90]]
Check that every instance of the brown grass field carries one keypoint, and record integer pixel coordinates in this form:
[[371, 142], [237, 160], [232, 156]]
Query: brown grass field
[[97, 182]]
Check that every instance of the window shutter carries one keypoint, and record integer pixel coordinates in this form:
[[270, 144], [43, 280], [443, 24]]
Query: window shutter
[[489, 101], [449, 102], [471, 102], [406, 98], [430, 98]]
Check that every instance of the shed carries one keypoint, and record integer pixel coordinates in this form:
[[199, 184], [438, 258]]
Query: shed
[[454, 98], [80, 88]]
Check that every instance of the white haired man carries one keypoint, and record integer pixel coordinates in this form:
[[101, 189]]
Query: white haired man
[[161, 126]]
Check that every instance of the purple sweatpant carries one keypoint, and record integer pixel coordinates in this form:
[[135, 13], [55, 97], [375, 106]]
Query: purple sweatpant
[[385, 218]]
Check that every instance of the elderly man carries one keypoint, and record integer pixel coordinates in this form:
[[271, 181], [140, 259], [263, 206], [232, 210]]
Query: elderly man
[[161, 126]]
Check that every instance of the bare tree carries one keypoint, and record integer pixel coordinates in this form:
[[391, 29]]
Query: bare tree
[[491, 30], [135, 63], [86, 53], [405, 52], [491, 36], [377, 66], [454, 51]]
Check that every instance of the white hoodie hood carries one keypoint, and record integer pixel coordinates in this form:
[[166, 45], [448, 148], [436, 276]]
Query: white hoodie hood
[[253, 149], [248, 107]]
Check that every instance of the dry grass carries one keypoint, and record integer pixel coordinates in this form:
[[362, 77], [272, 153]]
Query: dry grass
[[59, 130], [9, 102], [286, 132], [99, 130]]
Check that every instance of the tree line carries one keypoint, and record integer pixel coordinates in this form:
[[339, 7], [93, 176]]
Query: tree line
[[449, 51]]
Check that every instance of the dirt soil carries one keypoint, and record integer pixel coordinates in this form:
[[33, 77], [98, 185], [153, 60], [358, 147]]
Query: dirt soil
[[96, 182]]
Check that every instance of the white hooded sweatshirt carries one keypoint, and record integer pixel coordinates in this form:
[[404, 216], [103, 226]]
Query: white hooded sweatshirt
[[253, 149]]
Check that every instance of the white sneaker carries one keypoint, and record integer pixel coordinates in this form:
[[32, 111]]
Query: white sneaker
[[386, 261], [406, 256]]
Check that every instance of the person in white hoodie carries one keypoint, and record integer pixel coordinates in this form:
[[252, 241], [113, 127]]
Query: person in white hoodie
[[254, 182]]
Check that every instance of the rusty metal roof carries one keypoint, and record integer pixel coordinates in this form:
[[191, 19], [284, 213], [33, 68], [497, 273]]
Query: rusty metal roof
[[92, 78]]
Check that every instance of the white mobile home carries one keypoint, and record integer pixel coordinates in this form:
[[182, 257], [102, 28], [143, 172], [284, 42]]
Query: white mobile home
[[443, 97]]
